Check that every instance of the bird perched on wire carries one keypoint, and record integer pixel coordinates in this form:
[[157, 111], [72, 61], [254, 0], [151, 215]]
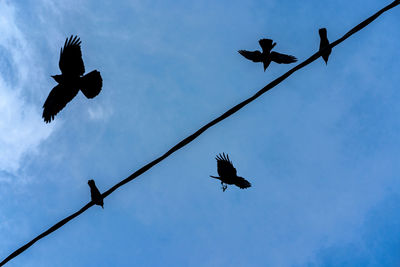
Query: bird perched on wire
[[71, 80], [227, 173], [324, 43], [266, 56], [95, 194]]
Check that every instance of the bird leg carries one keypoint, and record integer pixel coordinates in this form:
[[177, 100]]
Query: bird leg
[[224, 186]]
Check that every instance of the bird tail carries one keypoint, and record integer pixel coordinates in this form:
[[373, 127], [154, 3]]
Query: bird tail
[[242, 183], [91, 84], [266, 64]]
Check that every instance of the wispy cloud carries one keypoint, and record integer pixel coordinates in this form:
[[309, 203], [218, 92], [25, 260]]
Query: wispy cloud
[[21, 127], [99, 112]]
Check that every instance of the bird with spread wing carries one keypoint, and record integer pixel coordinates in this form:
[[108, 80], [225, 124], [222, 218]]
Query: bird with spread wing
[[227, 173], [266, 56], [71, 80]]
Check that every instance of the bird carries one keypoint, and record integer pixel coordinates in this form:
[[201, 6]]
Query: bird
[[266, 56], [95, 194], [71, 80], [227, 173], [324, 43]]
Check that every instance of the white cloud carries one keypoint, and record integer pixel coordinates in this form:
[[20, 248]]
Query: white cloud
[[98, 112], [21, 126]]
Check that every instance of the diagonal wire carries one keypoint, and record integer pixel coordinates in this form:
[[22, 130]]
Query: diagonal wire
[[192, 137]]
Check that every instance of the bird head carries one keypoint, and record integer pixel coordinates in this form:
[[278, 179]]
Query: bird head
[[322, 32], [91, 183], [57, 78]]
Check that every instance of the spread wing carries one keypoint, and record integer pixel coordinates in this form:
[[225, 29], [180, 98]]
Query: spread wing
[[254, 56], [282, 58], [266, 45], [57, 100], [71, 63], [224, 166]]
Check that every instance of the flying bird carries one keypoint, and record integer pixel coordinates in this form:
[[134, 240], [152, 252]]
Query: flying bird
[[71, 80], [227, 173], [324, 43], [95, 194], [266, 56]]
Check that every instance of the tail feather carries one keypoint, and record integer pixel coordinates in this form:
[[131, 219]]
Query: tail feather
[[91, 84], [266, 64], [242, 183]]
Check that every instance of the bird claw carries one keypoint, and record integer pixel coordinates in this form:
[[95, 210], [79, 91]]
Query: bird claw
[[224, 187]]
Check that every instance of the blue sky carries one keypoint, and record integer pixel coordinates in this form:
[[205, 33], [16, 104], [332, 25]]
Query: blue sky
[[321, 149]]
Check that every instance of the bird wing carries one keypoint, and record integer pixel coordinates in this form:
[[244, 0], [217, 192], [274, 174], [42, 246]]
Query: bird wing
[[242, 183], [254, 56], [224, 166], [71, 63], [282, 58], [57, 100], [327, 52], [323, 43], [266, 45]]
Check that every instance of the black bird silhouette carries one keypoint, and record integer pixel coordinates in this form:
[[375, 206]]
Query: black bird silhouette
[[227, 173], [266, 56], [324, 43], [70, 80], [95, 194]]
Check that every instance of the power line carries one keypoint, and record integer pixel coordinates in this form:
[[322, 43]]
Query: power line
[[192, 137]]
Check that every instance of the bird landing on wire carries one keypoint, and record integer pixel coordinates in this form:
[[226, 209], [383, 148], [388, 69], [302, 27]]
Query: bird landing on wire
[[323, 44], [95, 194]]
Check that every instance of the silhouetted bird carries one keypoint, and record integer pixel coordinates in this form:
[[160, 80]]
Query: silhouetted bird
[[324, 43], [227, 173], [70, 80], [95, 194], [266, 56]]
